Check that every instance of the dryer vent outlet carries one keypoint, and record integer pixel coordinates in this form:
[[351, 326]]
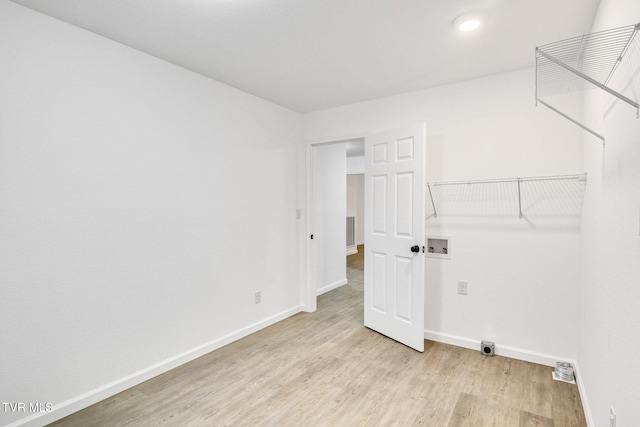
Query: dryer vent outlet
[[487, 348]]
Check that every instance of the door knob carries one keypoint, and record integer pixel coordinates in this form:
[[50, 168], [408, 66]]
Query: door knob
[[415, 248]]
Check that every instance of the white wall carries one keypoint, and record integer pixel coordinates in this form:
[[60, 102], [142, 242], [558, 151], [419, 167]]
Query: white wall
[[141, 206], [609, 338], [355, 165], [355, 203], [522, 273], [330, 189]]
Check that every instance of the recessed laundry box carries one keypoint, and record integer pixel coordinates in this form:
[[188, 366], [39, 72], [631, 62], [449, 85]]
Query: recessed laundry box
[[438, 247]]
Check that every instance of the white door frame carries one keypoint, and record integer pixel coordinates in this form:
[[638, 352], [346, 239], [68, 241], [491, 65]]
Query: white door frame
[[309, 298]]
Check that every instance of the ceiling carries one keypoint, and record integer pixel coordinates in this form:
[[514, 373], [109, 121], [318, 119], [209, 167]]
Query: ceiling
[[308, 55]]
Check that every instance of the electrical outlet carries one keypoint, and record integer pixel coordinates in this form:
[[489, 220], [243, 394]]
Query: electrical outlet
[[612, 417], [462, 287], [257, 298]]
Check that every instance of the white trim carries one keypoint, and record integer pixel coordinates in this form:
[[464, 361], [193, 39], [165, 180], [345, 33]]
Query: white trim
[[501, 350], [352, 250], [451, 339], [331, 287], [87, 399], [339, 138], [583, 396], [308, 286]]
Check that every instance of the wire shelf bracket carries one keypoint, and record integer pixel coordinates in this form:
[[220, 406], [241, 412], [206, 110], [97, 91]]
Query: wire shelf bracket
[[593, 58]]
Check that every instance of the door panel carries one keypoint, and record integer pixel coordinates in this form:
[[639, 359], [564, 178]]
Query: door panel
[[394, 222], [378, 284], [379, 204], [403, 282], [404, 198]]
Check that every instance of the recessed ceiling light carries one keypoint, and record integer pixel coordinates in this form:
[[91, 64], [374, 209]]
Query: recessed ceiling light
[[468, 21]]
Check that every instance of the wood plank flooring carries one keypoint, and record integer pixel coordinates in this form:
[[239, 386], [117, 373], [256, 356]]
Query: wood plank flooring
[[326, 369]]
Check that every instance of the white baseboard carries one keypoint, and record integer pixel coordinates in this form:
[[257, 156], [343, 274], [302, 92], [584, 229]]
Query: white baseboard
[[501, 350], [352, 250], [77, 403], [583, 396], [331, 287], [451, 339]]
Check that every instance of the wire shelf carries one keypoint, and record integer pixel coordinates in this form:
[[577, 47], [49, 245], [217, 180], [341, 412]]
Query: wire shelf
[[503, 191], [596, 55], [583, 62]]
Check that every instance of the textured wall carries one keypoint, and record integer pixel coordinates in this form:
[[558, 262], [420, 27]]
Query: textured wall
[[133, 195], [609, 341]]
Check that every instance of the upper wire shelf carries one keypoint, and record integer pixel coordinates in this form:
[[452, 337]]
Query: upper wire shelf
[[583, 62]]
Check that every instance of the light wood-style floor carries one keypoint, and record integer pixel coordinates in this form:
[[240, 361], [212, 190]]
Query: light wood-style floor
[[326, 369]]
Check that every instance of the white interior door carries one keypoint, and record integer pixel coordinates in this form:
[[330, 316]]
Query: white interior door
[[394, 231]]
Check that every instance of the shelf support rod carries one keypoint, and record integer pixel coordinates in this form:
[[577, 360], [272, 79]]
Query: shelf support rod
[[435, 214], [519, 200], [587, 78], [536, 80], [636, 28], [571, 119], [576, 64]]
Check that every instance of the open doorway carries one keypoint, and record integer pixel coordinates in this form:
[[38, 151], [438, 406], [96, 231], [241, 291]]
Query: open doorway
[[338, 228], [355, 217], [355, 213], [355, 196], [394, 232], [336, 181]]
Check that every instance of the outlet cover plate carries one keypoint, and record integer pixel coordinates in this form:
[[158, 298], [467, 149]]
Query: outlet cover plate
[[463, 287]]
